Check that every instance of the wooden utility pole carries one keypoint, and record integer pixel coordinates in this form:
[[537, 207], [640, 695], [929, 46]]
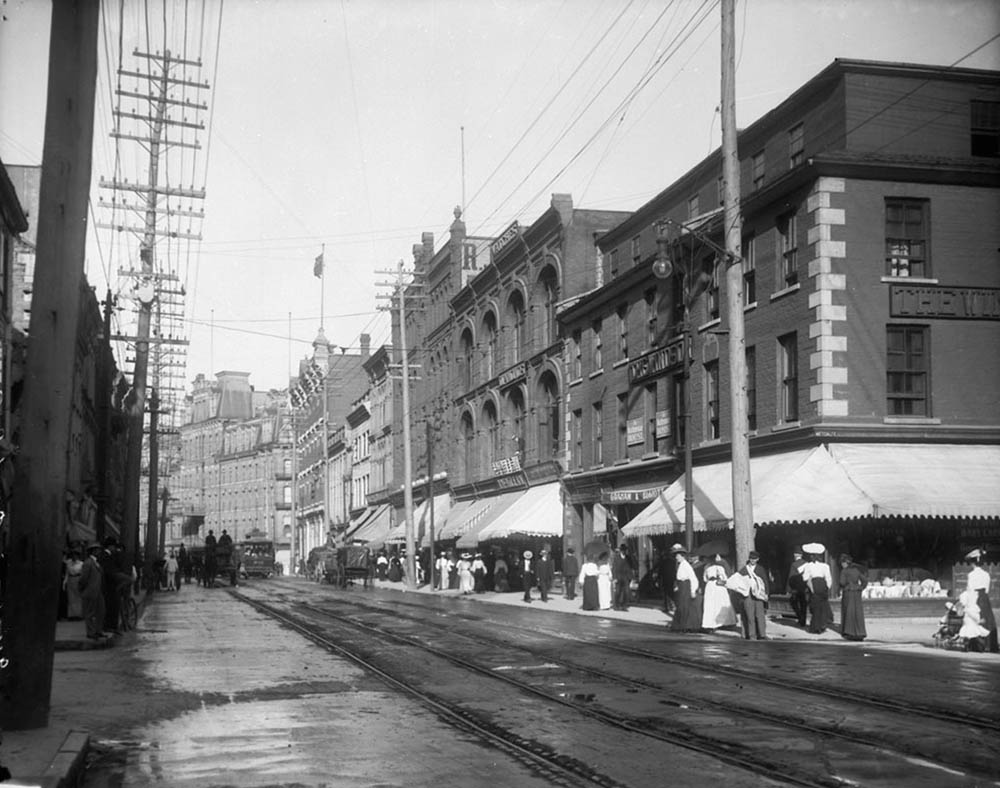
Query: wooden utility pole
[[150, 553], [430, 494], [38, 509], [104, 384], [740, 440]]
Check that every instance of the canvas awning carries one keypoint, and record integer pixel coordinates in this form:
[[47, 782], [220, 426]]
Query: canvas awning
[[539, 512], [373, 529], [846, 481], [421, 520], [498, 504], [465, 516]]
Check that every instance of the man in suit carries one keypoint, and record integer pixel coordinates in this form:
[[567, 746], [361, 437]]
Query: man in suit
[[92, 593], [755, 603], [796, 587], [570, 570], [527, 574], [621, 575], [544, 574]]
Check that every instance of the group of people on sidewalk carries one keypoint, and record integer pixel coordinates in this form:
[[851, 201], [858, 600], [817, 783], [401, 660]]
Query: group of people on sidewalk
[[94, 585], [605, 580]]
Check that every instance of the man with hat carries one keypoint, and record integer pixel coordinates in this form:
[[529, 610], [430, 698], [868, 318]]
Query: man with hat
[[621, 574], [570, 569], [527, 575], [796, 587], [92, 593], [544, 574], [755, 602]]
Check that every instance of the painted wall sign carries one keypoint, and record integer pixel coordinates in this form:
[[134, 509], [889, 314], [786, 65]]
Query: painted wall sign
[[954, 303], [634, 432], [508, 235], [629, 496], [663, 423]]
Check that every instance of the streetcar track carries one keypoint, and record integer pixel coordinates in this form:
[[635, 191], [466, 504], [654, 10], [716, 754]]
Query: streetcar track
[[785, 682], [711, 747]]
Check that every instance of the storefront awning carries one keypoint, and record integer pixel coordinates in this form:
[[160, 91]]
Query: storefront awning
[[847, 481], [539, 512], [421, 520], [463, 517], [498, 505], [374, 528]]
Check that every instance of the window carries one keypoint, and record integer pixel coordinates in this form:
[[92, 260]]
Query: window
[[796, 147], [712, 400], [515, 307], [613, 262], [651, 417], [788, 370], [720, 190], [577, 351], [651, 330], [906, 237], [623, 332], [622, 447], [693, 208], [577, 438], [751, 364], [757, 170], [749, 270], [985, 128], [788, 249], [286, 494], [490, 358], [597, 357], [906, 371], [636, 250], [597, 432], [712, 293]]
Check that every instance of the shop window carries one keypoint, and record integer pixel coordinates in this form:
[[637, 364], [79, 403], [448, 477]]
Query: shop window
[[907, 362], [906, 238]]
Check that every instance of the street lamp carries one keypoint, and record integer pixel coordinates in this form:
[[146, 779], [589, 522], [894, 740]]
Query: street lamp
[[694, 280]]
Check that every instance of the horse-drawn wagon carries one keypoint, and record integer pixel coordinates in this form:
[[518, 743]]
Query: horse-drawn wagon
[[342, 565]]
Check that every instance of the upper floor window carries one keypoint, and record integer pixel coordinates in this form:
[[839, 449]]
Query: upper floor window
[[515, 310], [613, 263], [597, 356], [622, 447], [651, 406], [712, 400], [712, 292], [693, 208], [636, 250], [757, 170], [623, 332], [906, 237], [788, 249], [490, 349], [597, 432], [577, 350], [577, 438], [985, 128], [749, 254], [651, 329], [907, 363], [796, 147], [788, 371]]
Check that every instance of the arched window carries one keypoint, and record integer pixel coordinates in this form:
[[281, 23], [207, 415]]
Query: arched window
[[491, 430], [515, 319], [468, 447], [468, 356], [548, 286], [489, 345], [549, 428], [515, 414]]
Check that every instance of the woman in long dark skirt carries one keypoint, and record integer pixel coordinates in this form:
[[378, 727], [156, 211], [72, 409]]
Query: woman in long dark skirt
[[588, 579], [853, 580], [818, 579], [687, 611]]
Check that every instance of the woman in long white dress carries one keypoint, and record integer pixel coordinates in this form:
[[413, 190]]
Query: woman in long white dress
[[604, 585], [718, 607], [465, 578]]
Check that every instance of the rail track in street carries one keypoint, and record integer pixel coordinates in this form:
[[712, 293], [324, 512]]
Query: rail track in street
[[694, 714]]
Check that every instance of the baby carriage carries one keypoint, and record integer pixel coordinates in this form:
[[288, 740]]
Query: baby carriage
[[948, 636]]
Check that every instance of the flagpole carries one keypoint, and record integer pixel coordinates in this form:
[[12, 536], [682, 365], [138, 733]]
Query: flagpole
[[322, 285]]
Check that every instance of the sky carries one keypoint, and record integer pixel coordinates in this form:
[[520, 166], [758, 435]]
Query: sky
[[352, 126]]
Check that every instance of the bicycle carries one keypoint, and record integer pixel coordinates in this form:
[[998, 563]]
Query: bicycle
[[128, 610]]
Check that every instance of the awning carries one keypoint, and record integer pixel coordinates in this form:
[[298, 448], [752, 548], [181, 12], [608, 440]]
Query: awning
[[374, 530], [359, 521], [539, 512], [848, 481], [497, 505], [421, 520], [924, 479], [463, 517]]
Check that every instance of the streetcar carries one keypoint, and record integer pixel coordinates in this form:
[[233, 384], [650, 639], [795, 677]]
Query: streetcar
[[257, 557]]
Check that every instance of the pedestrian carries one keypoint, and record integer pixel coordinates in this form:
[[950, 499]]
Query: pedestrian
[[171, 570], [818, 580], [382, 565], [544, 574], [755, 602], [527, 575], [478, 573], [466, 583], [209, 567], [687, 617], [570, 569], [978, 584], [395, 573], [587, 581], [621, 575], [92, 592], [853, 580], [605, 585], [452, 571], [183, 566], [74, 602], [717, 609], [501, 574], [106, 558], [796, 587]]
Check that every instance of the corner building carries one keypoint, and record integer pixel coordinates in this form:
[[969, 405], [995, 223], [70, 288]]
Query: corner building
[[871, 224]]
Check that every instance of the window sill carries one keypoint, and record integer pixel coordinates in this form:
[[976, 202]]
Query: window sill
[[786, 425], [597, 374], [712, 442], [620, 363], [710, 324], [749, 307], [914, 280], [650, 455], [787, 291], [621, 461], [910, 420], [576, 382], [597, 467]]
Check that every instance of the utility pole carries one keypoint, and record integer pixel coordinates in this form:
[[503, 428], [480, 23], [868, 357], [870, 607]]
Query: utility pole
[[740, 440], [37, 522], [104, 416], [430, 493], [151, 546], [398, 299]]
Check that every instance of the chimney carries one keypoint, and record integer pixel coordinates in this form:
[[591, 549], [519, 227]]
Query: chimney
[[563, 203], [427, 239], [366, 344]]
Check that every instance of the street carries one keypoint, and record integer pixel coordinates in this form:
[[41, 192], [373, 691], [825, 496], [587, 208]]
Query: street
[[284, 682]]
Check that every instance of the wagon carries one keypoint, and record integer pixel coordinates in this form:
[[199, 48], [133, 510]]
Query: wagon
[[354, 563]]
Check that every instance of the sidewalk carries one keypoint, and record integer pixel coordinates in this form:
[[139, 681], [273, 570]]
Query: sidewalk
[[54, 757]]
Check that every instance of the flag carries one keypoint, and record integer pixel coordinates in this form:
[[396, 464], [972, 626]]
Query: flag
[[318, 266]]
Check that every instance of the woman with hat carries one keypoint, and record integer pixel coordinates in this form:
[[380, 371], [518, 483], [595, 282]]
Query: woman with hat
[[819, 579], [687, 616], [465, 579], [853, 580], [92, 593], [588, 582], [978, 586], [478, 573]]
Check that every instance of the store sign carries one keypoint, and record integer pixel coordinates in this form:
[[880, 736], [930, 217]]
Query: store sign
[[629, 496], [657, 362], [506, 237], [663, 423], [512, 375], [634, 432], [955, 303]]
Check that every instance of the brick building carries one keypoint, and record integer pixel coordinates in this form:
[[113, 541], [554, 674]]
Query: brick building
[[871, 224]]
